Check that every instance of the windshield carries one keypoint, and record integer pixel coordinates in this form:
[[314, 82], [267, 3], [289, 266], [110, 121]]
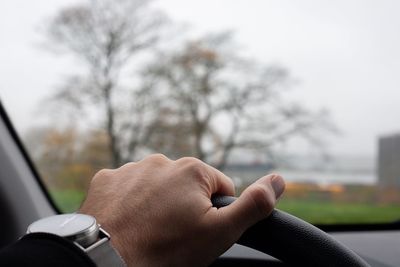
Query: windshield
[[306, 89]]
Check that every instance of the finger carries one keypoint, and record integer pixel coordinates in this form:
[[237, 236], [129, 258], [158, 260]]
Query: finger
[[221, 184], [212, 180], [255, 203]]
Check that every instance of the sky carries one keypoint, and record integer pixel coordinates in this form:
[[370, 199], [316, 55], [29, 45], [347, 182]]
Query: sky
[[345, 55]]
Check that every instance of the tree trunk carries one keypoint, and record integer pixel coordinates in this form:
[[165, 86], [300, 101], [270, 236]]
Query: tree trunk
[[198, 136], [110, 127], [229, 145]]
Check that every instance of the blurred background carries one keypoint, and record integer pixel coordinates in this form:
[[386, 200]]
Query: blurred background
[[307, 89]]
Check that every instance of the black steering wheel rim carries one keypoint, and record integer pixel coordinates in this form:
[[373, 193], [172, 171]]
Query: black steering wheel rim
[[294, 241]]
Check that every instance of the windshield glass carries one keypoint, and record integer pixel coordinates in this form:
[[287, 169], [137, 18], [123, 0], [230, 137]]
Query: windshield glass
[[306, 89]]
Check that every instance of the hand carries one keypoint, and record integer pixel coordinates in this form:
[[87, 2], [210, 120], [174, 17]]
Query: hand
[[159, 213]]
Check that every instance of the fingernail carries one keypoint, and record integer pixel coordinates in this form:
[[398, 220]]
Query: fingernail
[[278, 184]]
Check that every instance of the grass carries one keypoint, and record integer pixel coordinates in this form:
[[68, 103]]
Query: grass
[[67, 200], [314, 211], [324, 212]]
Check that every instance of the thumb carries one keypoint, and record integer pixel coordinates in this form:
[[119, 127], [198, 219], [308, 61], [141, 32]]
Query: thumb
[[256, 202]]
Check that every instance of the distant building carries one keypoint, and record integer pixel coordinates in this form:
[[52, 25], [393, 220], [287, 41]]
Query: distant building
[[389, 160]]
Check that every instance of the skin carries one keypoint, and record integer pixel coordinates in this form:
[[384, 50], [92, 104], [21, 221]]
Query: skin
[[158, 211]]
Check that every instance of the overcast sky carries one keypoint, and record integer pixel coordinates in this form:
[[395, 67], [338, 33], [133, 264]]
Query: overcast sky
[[346, 55]]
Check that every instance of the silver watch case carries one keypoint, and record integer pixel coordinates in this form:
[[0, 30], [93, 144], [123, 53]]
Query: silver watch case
[[84, 231], [79, 228]]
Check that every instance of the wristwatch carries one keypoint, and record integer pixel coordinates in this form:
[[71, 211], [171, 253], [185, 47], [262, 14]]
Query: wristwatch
[[85, 233]]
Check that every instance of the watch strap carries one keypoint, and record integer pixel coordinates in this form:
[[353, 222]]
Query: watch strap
[[103, 254]]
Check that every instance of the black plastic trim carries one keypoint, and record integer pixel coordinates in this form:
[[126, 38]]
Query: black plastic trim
[[6, 119]]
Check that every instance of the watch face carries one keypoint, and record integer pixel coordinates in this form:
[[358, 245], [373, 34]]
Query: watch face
[[72, 226]]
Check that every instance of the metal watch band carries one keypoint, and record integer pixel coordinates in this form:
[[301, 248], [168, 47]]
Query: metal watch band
[[103, 254]]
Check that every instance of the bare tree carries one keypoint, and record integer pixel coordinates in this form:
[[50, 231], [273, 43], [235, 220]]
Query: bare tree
[[105, 35], [218, 101]]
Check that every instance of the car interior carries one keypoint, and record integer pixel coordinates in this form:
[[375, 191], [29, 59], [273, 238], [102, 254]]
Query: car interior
[[305, 89]]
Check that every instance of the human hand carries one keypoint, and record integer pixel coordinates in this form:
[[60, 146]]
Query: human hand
[[159, 213]]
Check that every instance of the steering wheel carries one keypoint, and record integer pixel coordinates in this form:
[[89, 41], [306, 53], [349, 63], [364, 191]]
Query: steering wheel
[[294, 241]]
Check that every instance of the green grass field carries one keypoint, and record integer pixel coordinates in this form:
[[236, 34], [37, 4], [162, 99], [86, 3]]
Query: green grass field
[[317, 212], [67, 200], [320, 212]]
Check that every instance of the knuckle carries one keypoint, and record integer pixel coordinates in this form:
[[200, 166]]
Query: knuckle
[[158, 158], [197, 169], [103, 174], [187, 160], [128, 165], [196, 165]]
